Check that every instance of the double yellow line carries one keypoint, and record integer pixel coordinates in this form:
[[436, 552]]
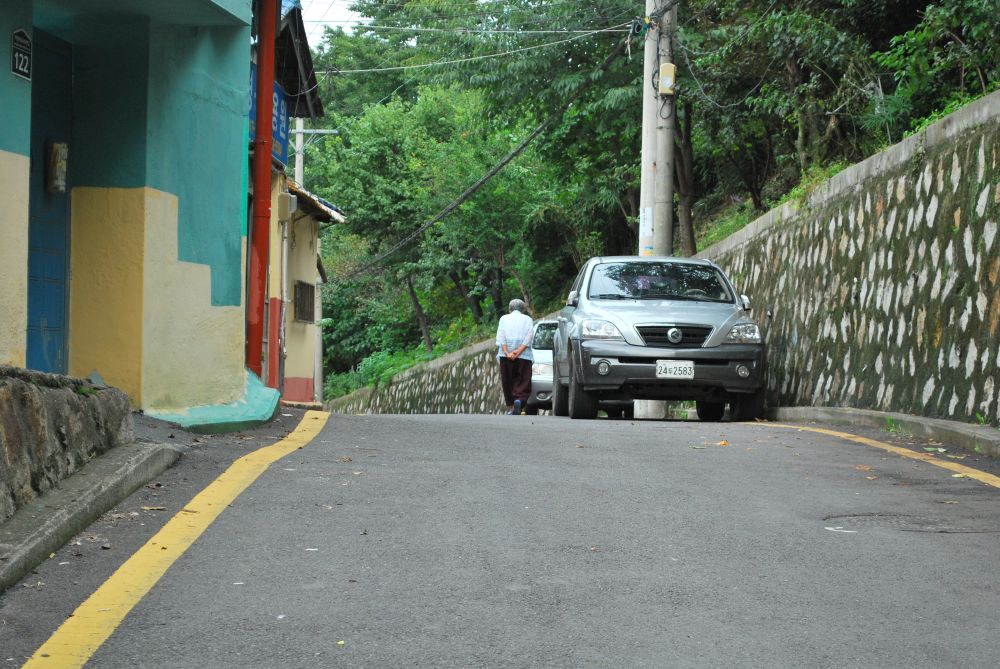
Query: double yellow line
[[77, 639]]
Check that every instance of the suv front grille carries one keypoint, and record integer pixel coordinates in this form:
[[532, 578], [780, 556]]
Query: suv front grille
[[691, 335]]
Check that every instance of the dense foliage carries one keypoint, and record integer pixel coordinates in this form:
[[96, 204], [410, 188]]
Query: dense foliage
[[770, 95]]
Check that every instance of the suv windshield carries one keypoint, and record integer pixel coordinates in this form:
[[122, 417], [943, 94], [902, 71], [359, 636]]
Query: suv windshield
[[658, 281]]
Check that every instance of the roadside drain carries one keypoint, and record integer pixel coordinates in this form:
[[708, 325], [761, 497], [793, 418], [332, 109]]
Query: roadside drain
[[905, 523]]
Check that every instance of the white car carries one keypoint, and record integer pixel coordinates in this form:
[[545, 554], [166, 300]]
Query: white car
[[541, 368]]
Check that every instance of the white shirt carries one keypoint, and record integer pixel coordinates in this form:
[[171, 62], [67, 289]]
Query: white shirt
[[513, 330]]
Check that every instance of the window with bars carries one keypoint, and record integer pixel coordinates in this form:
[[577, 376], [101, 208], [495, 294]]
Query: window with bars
[[305, 302]]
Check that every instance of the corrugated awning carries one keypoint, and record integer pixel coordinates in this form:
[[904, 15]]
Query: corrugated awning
[[314, 205]]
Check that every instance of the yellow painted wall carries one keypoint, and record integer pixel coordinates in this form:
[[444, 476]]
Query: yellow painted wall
[[301, 337], [140, 317], [106, 259], [13, 258], [193, 352]]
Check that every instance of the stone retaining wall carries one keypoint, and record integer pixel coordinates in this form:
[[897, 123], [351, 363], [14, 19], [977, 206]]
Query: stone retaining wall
[[50, 426], [880, 291], [464, 382]]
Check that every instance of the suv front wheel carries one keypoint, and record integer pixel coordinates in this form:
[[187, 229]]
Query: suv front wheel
[[560, 400], [748, 406], [581, 403], [710, 411]]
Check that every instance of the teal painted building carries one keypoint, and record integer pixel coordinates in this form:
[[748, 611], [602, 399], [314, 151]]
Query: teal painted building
[[123, 173]]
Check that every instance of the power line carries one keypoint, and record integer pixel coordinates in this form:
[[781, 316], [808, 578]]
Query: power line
[[484, 31], [484, 57], [471, 190], [472, 3], [422, 18]]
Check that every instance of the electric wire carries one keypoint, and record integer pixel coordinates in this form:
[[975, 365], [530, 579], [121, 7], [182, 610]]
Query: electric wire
[[475, 58], [471, 190], [485, 31]]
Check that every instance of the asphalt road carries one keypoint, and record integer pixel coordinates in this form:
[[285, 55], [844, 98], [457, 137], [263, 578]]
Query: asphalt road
[[493, 541]]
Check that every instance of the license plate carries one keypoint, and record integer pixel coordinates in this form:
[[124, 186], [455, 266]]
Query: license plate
[[674, 369]]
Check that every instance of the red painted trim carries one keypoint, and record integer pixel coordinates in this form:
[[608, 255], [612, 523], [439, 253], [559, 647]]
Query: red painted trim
[[273, 342], [299, 389], [260, 232]]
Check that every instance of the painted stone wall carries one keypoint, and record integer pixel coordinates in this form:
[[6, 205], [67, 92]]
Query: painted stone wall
[[464, 382], [880, 291]]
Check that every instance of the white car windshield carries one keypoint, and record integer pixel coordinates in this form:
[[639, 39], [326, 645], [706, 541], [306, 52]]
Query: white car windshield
[[658, 281], [544, 333]]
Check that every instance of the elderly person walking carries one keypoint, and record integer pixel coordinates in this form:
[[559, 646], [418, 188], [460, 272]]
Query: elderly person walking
[[514, 334]]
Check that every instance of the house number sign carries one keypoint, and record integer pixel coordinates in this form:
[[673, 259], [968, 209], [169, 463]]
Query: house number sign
[[20, 54]]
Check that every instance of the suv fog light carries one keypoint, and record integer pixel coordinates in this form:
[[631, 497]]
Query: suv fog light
[[743, 371], [604, 368]]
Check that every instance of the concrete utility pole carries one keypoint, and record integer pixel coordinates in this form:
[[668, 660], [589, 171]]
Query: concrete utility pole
[[656, 187], [300, 133], [300, 147]]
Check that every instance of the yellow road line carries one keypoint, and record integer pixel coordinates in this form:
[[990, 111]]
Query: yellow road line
[[930, 458], [77, 639]]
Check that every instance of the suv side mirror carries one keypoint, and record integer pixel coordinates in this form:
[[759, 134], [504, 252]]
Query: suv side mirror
[[745, 301], [573, 299]]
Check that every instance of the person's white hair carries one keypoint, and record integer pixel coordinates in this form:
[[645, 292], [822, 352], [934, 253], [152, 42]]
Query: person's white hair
[[517, 305]]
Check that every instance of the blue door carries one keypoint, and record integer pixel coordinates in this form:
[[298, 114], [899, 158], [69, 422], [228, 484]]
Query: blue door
[[48, 228]]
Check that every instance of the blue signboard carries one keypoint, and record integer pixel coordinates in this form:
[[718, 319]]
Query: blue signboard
[[279, 118]]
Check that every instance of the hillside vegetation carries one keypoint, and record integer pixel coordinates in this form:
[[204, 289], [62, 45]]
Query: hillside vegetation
[[428, 96]]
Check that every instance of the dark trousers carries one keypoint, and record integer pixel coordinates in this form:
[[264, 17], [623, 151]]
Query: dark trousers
[[515, 377]]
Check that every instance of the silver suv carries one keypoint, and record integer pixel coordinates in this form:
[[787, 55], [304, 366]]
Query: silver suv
[[657, 328]]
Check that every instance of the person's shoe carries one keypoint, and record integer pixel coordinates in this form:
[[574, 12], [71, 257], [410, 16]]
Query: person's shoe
[[517, 407]]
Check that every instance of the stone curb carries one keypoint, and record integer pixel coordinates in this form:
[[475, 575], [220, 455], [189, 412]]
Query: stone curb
[[972, 438], [44, 525]]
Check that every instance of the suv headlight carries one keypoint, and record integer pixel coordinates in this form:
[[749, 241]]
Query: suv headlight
[[594, 329], [746, 333]]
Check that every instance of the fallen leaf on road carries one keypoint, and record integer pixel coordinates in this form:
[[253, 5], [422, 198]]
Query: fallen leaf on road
[[346, 458], [872, 478], [723, 443], [955, 457], [935, 450], [863, 468], [340, 643]]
